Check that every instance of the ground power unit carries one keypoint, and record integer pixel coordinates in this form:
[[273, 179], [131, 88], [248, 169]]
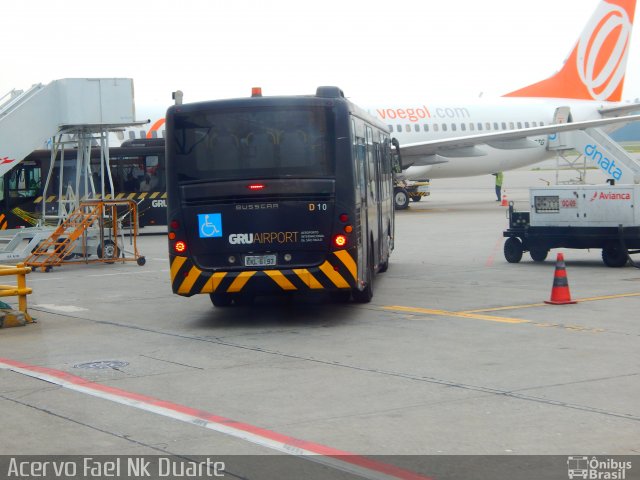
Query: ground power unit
[[606, 217]]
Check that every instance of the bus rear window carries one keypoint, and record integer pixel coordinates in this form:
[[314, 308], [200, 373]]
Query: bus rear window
[[262, 143]]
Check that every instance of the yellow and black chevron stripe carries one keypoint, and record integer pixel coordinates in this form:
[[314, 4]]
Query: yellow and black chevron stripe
[[339, 271], [118, 196]]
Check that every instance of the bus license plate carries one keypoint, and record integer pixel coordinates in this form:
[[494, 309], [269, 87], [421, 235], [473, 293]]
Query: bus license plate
[[259, 260]]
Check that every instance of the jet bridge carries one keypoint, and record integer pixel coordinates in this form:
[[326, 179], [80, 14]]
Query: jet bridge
[[29, 118]]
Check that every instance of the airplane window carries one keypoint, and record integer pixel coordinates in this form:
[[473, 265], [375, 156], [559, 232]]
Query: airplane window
[[542, 124], [511, 126], [472, 127], [416, 127], [535, 124], [407, 128], [495, 126], [504, 125], [463, 126], [390, 128], [435, 127], [444, 127], [480, 126], [519, 124], [526, 124], [425, 127], [453, 127], [132, 135]]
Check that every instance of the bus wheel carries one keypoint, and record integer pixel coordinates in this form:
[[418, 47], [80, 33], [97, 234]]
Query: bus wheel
[[365, 295], [538, 254], [513, 250], [220, 299], [613, 255], [384, 266], [400, 198]]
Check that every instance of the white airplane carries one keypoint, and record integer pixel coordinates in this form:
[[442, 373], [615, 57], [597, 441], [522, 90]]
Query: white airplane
[[441, 141]]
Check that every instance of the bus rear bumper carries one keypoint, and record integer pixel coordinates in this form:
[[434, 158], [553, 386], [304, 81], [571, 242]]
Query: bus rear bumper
[[338, 272]]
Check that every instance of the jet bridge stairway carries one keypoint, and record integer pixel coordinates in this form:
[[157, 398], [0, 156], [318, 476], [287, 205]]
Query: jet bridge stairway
[[595, 145], [96, 227], [60, 245]]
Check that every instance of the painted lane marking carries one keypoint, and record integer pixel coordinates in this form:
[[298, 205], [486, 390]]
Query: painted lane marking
[[334, 458], [579, 300], [445, 313]]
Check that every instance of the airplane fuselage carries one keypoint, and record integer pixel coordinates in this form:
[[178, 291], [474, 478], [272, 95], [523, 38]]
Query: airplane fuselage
[[417, 123]]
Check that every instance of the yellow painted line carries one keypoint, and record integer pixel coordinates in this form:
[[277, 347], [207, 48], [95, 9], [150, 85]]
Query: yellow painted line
[[131, 196], [154, 194], [282, 281], [609, 297], [531, 305], [511, 307], [143, 195], [337, 279], [307, 277], [348, 261], [240, 281], [119, 196], [446, 313]]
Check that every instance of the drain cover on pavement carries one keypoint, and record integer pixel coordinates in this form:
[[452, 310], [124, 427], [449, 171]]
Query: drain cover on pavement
[[102, 364]]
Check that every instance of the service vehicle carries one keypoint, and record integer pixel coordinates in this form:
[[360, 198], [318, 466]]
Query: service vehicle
[[405, 190], [606, 217]]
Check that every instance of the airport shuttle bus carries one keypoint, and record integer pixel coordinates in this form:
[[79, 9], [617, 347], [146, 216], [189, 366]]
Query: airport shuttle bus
[[137, 170], [278, 195]]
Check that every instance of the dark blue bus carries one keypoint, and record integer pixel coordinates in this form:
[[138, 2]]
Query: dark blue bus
[[278, 195]]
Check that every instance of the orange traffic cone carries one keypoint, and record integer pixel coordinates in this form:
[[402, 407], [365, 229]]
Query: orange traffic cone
[[560, 294], [504, 200]]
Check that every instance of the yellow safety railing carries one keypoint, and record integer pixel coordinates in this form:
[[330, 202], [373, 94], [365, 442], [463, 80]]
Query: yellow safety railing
[[20, 290]]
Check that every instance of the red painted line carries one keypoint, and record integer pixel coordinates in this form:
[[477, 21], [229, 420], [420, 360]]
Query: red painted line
[[363, 466]]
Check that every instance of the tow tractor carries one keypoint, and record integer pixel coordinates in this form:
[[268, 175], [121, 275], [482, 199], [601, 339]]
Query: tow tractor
[[403, 190], [577, 216]]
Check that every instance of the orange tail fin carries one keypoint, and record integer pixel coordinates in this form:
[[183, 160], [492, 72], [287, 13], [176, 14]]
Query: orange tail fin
[[596, 68]]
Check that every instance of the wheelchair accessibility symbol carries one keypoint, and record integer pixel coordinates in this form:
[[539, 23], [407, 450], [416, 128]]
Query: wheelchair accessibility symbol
[[210, 225]]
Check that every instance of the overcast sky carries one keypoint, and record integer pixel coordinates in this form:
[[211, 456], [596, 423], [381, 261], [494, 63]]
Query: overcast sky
[[377, 52]]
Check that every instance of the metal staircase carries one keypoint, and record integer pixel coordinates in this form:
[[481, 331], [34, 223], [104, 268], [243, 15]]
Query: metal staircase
[[60, 245], [595, 145]]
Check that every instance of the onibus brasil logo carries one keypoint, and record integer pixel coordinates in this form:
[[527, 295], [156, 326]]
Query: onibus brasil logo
[[595, 468]]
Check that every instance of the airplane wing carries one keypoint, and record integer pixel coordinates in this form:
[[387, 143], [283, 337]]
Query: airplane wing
[[424, 153], [619, 110]]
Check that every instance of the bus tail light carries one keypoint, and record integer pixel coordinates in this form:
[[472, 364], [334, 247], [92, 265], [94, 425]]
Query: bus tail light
[[180, 246], [256, 91], [174, 224], [340, 240]]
